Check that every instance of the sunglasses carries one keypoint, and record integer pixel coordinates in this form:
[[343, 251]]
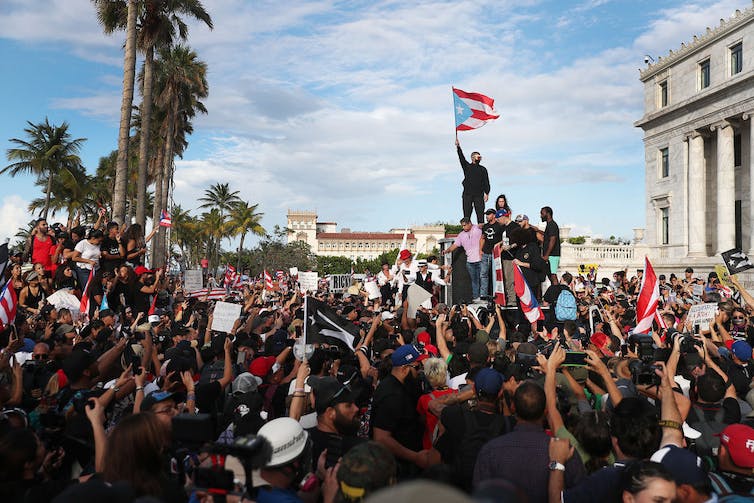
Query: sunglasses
[[40, 356]]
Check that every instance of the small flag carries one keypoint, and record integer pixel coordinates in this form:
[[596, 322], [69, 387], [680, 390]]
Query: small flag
[[660, 320], [104, 304], [529, 304], [736, 261], [279, 275], [267, 280], [153, 307], [165, 220], [4, 260], [84, 306], [472, 110], [8, 306], [325, 325], [649, 295]]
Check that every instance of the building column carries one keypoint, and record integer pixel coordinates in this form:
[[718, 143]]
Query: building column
[[696, 198], [726, 188], [750, 117]]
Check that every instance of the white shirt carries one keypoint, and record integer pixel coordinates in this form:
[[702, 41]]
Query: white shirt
[[88, 251]]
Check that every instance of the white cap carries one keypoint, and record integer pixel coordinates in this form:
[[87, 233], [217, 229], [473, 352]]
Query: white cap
[[387, 315]]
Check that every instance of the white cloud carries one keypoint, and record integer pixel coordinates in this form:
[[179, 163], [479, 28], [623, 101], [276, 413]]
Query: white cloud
[[13, 215]]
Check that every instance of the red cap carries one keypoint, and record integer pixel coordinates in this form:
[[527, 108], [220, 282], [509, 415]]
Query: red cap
[[423, 338], [404, 255], [261, 366], [599, 339], [141, 270], [739, 440]]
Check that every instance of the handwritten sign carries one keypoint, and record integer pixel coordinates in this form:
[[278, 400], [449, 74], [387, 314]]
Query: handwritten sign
[[293, 271], [308, 281], [722, 275], [225, 315], [699, 314], [192, 280], [697, 290], [340, 282]]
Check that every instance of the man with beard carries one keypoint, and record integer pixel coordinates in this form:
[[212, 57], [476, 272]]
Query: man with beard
[[337, 419]]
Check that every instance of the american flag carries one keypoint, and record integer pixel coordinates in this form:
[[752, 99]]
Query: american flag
[[165, 220], [8, 305], [472, 110], [529, 303]]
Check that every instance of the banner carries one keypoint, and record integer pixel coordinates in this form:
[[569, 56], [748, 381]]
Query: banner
[[308, 281], [699, 314], [224, 316], [339, 283], [736, 261], [192, 280], [293, 271], [722, 275]]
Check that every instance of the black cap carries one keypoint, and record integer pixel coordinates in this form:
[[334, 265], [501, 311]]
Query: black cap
[[490, 211], [77, 362], [328, 391]]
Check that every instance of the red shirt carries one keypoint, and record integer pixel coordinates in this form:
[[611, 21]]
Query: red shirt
[[42, 252], [430, 420]]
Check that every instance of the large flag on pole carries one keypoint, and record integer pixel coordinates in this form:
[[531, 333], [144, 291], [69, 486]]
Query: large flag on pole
[[84, 306], [325, 325], [649, 294], [529, 304], [4, 260], [8, 306], [472, 110]]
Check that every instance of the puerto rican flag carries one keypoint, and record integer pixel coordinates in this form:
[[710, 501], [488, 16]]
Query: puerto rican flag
[[472, 110], [8, 306], [232, 278], [529, 304], [213, 294], [499, 280], [646, 305], [279, 275], [165, 220], [84, 306], [267, 280]]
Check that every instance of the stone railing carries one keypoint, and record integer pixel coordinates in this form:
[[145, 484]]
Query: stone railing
[[609, 257]]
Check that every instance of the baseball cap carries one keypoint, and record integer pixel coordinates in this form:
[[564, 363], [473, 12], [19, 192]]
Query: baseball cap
[[404, 355], [160, 396], [490, 211], [488, 381], [739, 440], [244, 383], [502, 212], [684, 466], [262, 365], [64, 329], [423, 337], [521, 218], [328, 391], [387, 315], [742, 350]]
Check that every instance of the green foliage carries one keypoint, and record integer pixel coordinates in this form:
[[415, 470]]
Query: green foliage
[[453, 229], [578, 240]]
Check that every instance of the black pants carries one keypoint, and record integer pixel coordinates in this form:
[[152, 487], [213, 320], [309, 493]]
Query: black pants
[[477, 201]]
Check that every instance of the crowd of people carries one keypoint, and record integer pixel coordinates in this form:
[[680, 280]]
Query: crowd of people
[[324, 396]]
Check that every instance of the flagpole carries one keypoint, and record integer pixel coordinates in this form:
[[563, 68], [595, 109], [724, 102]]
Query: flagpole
[[455, 127]]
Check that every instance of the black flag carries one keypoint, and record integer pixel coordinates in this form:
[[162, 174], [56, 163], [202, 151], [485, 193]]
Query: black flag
[[325, 325], [3, 263], [736, 261]]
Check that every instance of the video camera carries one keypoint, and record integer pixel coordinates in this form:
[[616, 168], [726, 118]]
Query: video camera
[[643, 369]]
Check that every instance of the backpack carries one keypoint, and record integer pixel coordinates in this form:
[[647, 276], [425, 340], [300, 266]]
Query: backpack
[[474, 438], [708, 444], [565, 306]]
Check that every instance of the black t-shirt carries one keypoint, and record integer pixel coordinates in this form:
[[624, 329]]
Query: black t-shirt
[[111, 247], [551, 230], [507, 229], [455, 429], [394, 410], [493, 234], [336, 445]]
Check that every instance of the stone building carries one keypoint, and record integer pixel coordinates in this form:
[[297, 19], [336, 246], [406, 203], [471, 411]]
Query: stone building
[[325, 239], [698, 141]]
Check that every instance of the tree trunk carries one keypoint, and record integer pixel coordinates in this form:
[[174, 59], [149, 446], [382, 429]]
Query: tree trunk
[[161, 199], [146, 120], [240, 251], [156, 205], [47, 195], [129, 71]]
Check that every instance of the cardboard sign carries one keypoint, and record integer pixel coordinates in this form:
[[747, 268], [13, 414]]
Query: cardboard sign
[[308, 281], [700, 314], [225, 315], [339, 283], [722, 275], [293, 271], [192, 280], [416, 297], [697, 290], [736, 261], [588, 268]]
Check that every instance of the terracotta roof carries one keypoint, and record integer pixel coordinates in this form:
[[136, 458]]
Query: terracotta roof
[[383, 236]]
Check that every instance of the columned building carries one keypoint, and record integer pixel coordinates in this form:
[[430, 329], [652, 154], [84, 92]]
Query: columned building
[[699, 145]]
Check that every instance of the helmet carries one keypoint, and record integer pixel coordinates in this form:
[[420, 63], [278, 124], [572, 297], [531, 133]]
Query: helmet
[[287, 438]]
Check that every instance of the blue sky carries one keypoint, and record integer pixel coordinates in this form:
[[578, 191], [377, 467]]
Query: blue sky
[[346, 108]]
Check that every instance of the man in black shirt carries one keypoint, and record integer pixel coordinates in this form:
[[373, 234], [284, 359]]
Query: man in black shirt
[[551, 243], [113, 250], [507, 226], [476, 184], [395, 422], [492, 233]]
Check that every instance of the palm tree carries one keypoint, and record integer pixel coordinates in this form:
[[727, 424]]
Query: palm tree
[[110, 14], [221, 197], [48, 152], [214, 229], [72, 191], [244, 219], [158, 25]]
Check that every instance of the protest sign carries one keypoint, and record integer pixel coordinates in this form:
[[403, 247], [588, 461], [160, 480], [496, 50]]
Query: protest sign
[[308, 281], [722, 275], [700, 314], [339, 282], [293, 271], [588, 268], [697, 290], [736, 261], [224, 316], [192, 280], [416, 297]]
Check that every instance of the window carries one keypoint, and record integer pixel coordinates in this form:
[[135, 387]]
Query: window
[[704, 74], [664, 225], [663, 98], [737, 150], [736, 58], [664, 163]]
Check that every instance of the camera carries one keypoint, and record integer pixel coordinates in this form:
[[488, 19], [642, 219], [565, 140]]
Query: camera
[[643, 369]]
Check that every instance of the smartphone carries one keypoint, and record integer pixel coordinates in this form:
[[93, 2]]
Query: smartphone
[[575, 359], [241, 358]]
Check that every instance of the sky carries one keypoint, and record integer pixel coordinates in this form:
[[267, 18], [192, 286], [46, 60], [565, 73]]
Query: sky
[[345, 107]]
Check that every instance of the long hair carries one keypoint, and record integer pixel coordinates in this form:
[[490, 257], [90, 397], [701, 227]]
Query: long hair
[[134, 453]]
